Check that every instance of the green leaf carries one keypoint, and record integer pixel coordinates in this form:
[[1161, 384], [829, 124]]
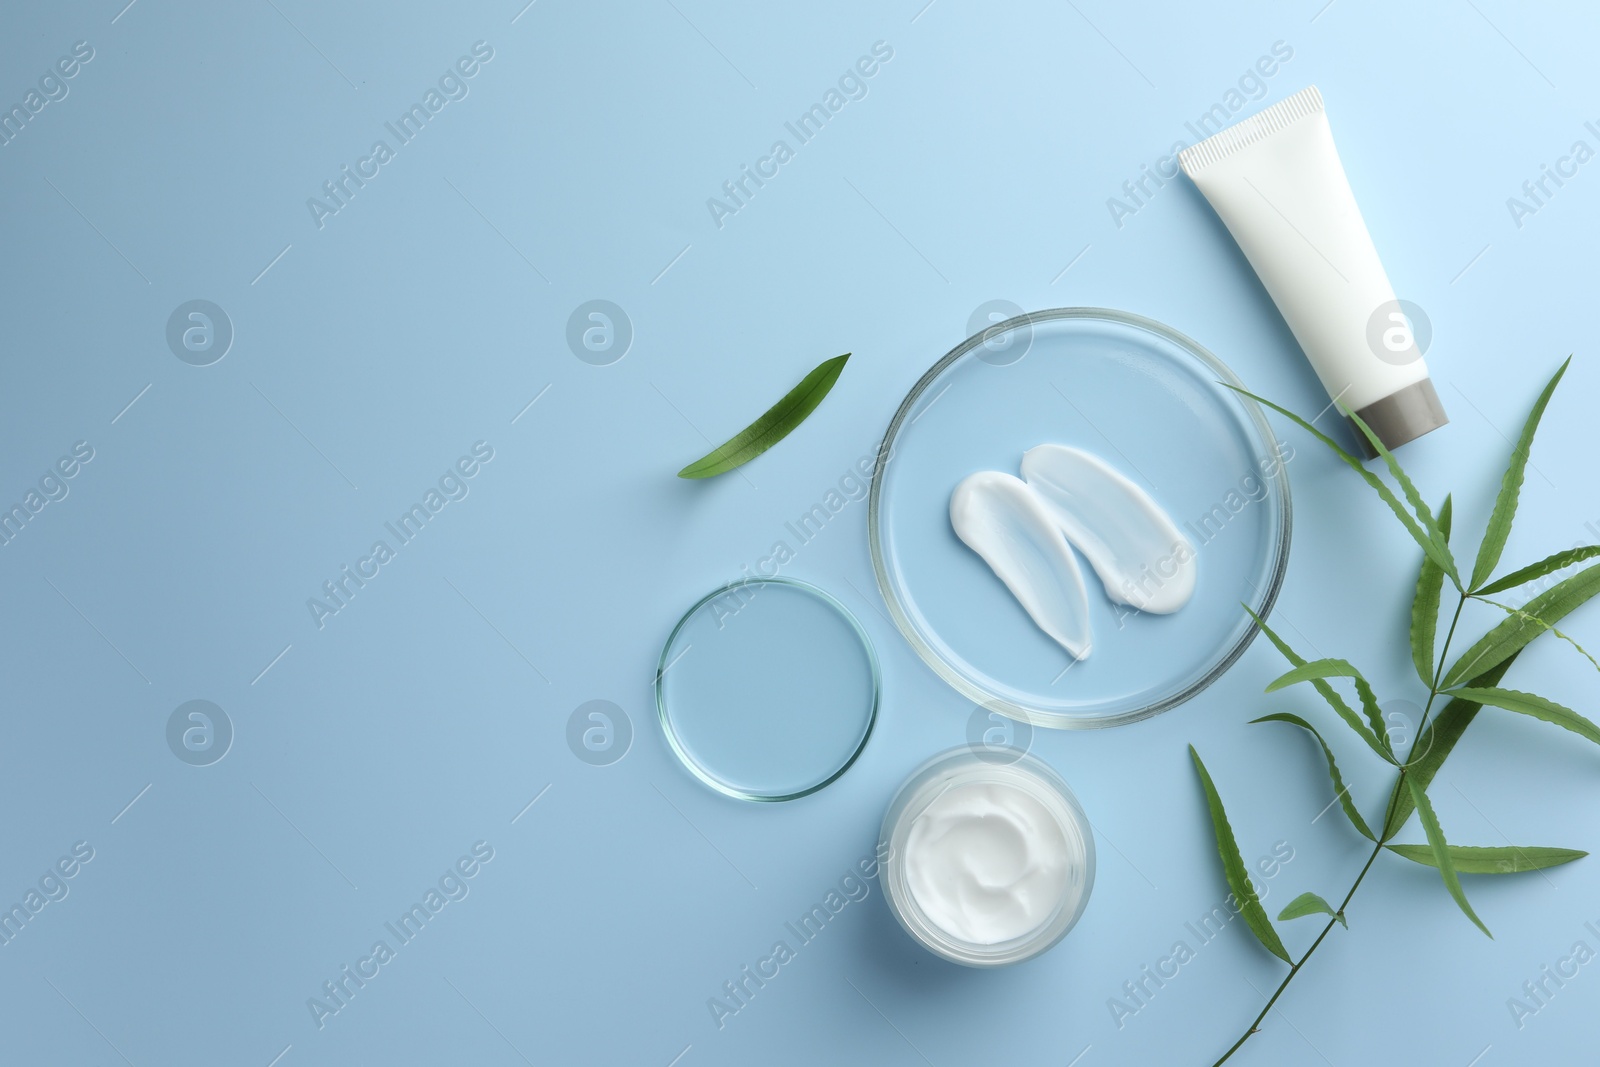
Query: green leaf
[[1425, 607], [773, 426], [1435, 532], [1549, 565], [1327, 692], [1441, 852], [1505, 504], [1510, 859], [1340, 790], [1434, 550], [1536, 621], [1369, 704], [1317, 668], [1536, 616], [1309, 904], [1536, 706], [1338, 668], [1255, 916], [1434, 746]]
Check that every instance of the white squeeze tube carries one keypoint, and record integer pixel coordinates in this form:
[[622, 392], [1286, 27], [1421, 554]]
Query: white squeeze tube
[[1277, 183]]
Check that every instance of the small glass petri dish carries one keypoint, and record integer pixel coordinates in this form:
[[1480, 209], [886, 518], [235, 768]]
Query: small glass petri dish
[[767, 689], [1150, 402], [958, 769]]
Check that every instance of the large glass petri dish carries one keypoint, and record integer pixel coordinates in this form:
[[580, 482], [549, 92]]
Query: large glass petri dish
[[1146, 399], [767, 689]]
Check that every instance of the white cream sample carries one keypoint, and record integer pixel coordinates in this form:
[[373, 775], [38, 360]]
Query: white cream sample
[[1132, 544], [987, 862], [1004, 521]]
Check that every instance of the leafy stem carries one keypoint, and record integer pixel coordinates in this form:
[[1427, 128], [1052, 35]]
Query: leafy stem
[[1377, 849], [1294, 968], [1470, 683]]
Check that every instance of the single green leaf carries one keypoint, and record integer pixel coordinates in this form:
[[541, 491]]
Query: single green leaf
[[1541, 624], [1369, 704], [1429, 524], [1537, 615], [1536, 706], [773, 426], [1327, 692], [1309, 904], [1510, 859], [1434, 745], [1425, 607], [1505, 504], [1338, 668], [1549, 565], [1341, 791], [1255, 916], [1317, 668], [1434, 551], [1441, 852]]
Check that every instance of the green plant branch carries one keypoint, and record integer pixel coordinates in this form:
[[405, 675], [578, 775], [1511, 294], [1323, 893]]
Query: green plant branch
[[1377, 848], [1294, 968], [1468, 685]]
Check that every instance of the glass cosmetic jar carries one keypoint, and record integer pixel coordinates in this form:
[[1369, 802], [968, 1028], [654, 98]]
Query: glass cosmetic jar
[[991, 859]]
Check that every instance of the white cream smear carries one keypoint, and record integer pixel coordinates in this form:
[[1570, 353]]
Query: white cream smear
[[987, 862], [1022, 527], [1133, 545], [1006, 523]]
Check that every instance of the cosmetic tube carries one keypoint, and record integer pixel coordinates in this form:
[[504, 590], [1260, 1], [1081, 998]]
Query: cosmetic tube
[[1276, 181]]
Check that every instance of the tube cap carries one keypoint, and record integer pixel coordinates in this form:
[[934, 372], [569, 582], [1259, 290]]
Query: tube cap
[[1401, 416]]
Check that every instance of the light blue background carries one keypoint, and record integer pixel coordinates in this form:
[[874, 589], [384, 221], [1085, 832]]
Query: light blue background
[[423, 718]]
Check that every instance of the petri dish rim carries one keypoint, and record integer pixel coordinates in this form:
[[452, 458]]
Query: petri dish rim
[[704, 774], [887, 586]]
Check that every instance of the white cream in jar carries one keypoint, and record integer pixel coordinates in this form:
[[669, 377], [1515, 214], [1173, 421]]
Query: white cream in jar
[[987, 862], [991, 859]]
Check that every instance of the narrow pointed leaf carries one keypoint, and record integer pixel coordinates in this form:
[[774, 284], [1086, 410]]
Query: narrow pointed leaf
[[1338, 668], [1505, 504], [1434, 746], [1317, 668], [771, 427], [1309, 904], [1429, 524], [1369, 704], [1425, 607], [1549, 565], [1536, 706], [1509, 859], [1434, 551], [1537, 615], [1541, 624], [1255, 916], [1340, 790], [1441, 852], [1327, 692]]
